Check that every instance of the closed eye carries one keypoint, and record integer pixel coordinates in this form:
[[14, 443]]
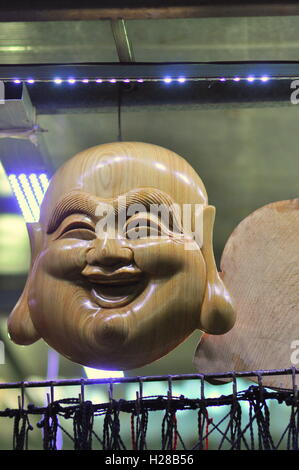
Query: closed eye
[[80, 230], [141, 227]]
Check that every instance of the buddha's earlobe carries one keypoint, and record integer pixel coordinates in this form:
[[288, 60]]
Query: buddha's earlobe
[[217, 312], [20, 327]]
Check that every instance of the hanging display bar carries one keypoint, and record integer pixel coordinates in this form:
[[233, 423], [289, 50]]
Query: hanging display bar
[[142, 72]]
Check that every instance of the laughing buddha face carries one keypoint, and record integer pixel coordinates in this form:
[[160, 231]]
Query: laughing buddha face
[[108, 299]]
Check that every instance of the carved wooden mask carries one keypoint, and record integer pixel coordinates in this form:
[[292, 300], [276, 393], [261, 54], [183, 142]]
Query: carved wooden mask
[[117, 302]]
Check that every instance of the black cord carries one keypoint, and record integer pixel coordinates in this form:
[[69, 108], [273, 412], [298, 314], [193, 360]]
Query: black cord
[[236, 430]]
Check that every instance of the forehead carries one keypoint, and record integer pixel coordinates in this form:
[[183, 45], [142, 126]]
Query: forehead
[[110, 170]]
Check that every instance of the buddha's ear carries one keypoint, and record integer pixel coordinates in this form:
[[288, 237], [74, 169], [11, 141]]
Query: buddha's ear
[[217, 312], [20, 327]]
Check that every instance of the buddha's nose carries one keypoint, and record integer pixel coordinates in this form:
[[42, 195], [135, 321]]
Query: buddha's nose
[[109, 252]]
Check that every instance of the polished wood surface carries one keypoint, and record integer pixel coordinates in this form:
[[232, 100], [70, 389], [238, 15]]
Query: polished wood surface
[[112, 301], [260, 267]]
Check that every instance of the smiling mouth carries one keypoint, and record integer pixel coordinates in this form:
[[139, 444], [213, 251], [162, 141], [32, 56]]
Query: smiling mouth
[[117, 289]]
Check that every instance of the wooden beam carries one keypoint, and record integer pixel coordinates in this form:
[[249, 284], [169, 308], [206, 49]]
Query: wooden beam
[[144, 9]]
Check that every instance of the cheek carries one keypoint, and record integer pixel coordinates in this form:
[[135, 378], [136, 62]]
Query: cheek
[[162, 258], [64, 260]]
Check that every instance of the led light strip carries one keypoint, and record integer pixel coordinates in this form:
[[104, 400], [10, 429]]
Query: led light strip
[[29, 192], [44, 181], [29, 196], [22, 201], [167, 80], [37, 188]]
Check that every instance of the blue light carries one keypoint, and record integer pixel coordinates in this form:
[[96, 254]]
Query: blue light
[[37, 188], [44, 181], [29, 191], [33, 204], [167, 79], [21, 198]]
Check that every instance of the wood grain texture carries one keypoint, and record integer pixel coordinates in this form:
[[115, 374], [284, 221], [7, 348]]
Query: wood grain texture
[[110, 300], [260, 267], [145, 10]]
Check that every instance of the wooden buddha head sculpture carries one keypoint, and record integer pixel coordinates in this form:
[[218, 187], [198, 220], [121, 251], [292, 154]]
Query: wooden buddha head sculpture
[[107, 299]]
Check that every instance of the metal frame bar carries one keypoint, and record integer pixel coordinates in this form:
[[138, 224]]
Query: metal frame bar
[[51, 99], [22, 146], [122, 41], [149, 71], [155, 378]]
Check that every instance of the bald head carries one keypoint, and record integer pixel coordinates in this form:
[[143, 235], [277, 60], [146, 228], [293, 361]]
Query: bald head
[[109, 170]]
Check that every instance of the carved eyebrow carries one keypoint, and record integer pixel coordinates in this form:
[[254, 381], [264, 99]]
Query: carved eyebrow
[[79, 202], [73, 203]]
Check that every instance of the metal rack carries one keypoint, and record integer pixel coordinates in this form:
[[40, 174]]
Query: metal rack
[[245, 421]]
